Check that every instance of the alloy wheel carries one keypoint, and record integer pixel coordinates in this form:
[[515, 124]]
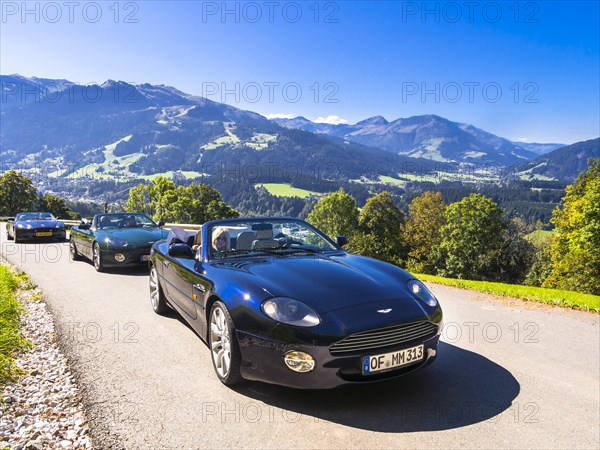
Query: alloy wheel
[[220, 342]]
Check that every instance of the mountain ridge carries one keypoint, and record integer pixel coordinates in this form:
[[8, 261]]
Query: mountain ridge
[[564, 163], [116, 129], [428, 136]]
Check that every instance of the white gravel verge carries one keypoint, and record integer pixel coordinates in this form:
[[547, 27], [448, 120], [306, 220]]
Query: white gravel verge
[[43, 410]]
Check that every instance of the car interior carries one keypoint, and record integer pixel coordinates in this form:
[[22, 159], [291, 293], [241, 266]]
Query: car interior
[[249, 236]]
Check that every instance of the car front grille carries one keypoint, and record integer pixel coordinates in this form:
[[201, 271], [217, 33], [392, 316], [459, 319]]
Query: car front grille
[[140, 251], [384, 337]]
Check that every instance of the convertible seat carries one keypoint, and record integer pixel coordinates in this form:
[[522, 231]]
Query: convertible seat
[[197, 243], [264, 236], [244, 240]]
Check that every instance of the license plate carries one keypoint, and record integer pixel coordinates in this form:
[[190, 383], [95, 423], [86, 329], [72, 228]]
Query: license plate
[[145, 258], [43, 233], [387, 361]]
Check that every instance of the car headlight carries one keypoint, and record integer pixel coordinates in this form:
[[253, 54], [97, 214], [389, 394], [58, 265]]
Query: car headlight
[[420, 291], [20, 226], [59, 225], [28, 226], [116, 242], [290, 311]]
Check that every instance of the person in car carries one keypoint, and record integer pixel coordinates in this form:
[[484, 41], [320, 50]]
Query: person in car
[[220, 240]]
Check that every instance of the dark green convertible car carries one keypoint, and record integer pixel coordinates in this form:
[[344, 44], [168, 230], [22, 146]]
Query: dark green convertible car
[[115, 240]]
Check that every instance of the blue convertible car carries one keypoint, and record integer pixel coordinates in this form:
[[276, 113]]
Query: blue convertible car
[[31, 226], [278, 301]]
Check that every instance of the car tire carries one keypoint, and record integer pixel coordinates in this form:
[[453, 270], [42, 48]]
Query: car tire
[[97, 258], [16, 237], [8, 236], [223, 345], [157, 297], [75, 256]]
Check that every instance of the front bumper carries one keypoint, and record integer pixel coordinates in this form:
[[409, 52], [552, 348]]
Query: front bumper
[[31, 234], [262, 360], [132, 257]]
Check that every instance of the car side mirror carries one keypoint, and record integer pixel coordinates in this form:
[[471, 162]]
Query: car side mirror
[[84, 226], [341, 240], [181, 251], [161, 224]]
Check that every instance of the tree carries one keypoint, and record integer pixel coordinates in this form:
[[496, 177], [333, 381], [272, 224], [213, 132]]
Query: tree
[[155, 199], [139, 200], [335, 214], [422, 233], [199, 203], [540, 268], [513, 260], [55, 205], [196, 203], [163, 197], [575, 247], [472, 235], [379, 225], [17, 193]]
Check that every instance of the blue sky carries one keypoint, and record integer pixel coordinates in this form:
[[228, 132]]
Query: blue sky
[[526, 70]]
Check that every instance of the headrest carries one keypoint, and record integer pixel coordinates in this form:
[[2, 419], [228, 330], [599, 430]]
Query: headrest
[[263, 230]]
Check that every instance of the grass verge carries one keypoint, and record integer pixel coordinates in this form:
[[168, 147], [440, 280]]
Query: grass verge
[[286, 190], [536, 294], [11, 339]]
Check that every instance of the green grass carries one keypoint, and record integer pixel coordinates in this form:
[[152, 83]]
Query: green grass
[[536, 294], [392, 180], [11, 339], [286, 190]]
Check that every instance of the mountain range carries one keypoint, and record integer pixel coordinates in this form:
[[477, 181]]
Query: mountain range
[[564, 163], [428, 136], [117, 130]]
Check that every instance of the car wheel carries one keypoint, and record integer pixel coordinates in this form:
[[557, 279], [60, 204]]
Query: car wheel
[[157, 297], [8, 236], [75, 256], [224, 348], [97, 258]]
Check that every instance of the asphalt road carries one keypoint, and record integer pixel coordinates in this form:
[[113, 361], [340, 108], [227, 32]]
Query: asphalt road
[[509, 374]]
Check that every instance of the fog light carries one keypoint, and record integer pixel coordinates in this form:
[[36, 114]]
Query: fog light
[[120, 257], [299, 361]]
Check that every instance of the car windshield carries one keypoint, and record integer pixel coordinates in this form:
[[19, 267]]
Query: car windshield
[[260, 237], [35, 216], [107, 221]]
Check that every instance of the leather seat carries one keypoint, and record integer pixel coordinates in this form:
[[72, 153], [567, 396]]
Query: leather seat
[[264, 237], [244, 240], [197, 241]]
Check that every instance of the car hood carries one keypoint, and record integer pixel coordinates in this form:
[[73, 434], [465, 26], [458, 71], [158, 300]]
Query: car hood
[[138, 237], [38, 223], [323, 282]]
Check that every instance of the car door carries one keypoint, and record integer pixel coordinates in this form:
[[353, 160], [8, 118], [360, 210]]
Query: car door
[[180, 278], [83, 238]]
